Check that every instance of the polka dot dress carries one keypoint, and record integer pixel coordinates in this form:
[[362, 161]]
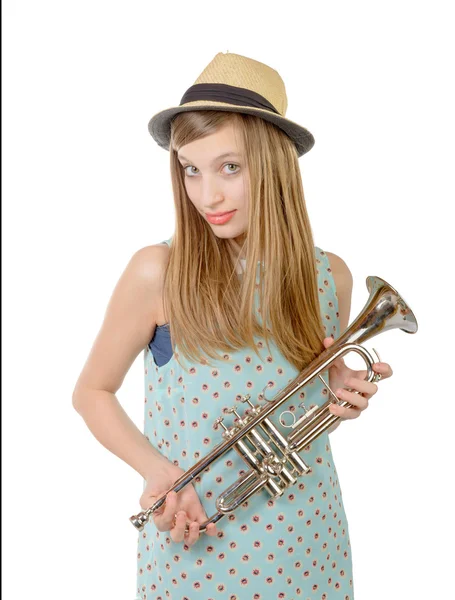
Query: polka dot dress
[[293, 547]]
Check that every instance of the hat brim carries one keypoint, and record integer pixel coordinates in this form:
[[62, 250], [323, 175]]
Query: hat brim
[[159, 125]]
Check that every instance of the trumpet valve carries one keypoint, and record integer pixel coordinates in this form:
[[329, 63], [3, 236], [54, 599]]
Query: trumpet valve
[[272, 464], [219, 421], [246, 398], [253, 410], [232, 410], [227, 432]]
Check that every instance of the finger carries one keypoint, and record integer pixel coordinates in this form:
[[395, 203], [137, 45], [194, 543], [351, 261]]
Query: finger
[[384, 369], [328, 341], [345, 413], [199, 514], [357, 400], [201, 517], [163, 521], [193, 534], [364, 387], [363, 373], [211, 529], [177, 532]]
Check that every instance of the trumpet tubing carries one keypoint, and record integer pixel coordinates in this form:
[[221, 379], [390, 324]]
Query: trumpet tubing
[[273, 459]]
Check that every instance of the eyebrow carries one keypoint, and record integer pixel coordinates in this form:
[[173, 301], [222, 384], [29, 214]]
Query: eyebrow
[[215, 159]]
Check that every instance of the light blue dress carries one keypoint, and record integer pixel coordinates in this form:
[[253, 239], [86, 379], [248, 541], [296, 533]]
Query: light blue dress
[[293, 547]]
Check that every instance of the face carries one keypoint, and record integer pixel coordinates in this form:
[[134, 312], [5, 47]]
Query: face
[[216, 178]]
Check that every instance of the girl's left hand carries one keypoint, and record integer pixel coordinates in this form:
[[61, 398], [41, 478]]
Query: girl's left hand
[[341, 375]]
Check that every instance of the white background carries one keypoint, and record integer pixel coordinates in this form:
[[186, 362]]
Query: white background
[[85, 186]]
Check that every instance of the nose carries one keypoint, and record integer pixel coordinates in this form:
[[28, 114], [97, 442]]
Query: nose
[[212, 195]]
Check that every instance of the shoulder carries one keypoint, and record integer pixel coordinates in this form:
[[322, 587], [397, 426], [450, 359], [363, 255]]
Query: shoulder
[[142, 281], [131, 316], [343, 279], [340, 270], [148, 265]]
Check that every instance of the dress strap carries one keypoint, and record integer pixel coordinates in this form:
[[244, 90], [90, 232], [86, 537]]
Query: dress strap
[[168, 241]]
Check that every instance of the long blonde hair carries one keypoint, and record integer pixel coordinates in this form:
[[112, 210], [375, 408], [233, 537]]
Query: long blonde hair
[[211, 309]]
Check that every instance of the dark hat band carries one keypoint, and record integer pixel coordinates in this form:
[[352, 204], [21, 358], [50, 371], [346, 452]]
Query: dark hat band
[[220, 92]]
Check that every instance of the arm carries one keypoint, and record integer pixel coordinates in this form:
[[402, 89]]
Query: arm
[[343, 283], [128, 326]]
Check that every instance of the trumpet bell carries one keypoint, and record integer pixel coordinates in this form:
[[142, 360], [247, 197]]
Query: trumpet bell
[[385, 309]]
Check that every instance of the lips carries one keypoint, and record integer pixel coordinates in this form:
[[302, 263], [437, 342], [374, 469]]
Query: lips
[[221, 214], [220, 218]]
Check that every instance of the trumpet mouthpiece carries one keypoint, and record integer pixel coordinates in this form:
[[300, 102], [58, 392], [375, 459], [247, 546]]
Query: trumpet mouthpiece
[[139, 520]]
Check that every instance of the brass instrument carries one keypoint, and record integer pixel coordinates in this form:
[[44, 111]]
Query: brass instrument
[[274, 461]]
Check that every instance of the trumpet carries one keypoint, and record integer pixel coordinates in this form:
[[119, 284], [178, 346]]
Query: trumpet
[[273, 460]]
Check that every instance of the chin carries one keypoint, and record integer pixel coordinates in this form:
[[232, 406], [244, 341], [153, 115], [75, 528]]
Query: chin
[[228, 235]]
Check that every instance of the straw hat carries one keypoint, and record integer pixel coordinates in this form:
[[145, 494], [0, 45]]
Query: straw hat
[[235, 83]]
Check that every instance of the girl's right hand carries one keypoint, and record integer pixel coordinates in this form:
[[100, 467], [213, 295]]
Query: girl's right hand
[[185, 504]]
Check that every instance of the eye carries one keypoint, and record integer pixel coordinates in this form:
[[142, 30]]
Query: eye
[[187, 173], [232, 165]]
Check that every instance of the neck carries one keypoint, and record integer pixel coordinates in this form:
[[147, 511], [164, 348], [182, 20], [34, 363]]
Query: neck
[[239, 250]]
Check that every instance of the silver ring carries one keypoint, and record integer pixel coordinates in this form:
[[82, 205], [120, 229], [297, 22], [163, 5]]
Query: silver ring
[[281, 421], [377, 377]]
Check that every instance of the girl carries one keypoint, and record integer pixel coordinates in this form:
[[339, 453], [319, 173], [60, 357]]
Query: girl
[[238, 300]]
